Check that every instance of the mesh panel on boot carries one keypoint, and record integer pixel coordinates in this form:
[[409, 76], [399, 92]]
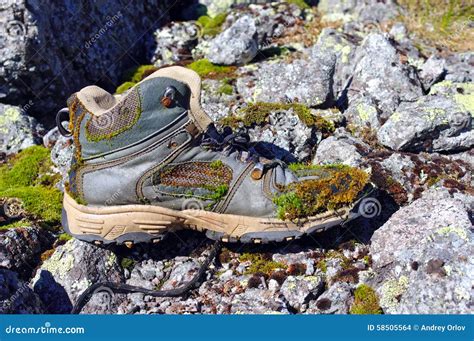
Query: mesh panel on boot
[[120, 118], [194, 175]]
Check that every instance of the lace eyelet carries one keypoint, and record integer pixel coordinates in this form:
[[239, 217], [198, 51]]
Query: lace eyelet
[[168, 96]]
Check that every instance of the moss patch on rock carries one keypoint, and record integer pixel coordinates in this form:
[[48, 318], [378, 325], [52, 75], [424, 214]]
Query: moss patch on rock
[[28, 177], [257, 114], [366, 301], [330, 187], [206, 69], [260, 263], [211, 26], [135, 76]]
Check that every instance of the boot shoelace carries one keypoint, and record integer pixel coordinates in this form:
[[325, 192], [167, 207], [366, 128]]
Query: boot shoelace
[[229, 142], [120, 288]]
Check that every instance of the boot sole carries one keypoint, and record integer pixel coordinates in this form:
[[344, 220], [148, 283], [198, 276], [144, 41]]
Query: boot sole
[[130, 224]]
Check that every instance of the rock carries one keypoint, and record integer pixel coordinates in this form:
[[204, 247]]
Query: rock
[[467, 157], [433, 123], [175, 42], [333, 41], [71, 269], [432, 272], [341, 148], [432, 71], [363, 113], [60, 48], [257, 301], [299, 290], [236, 45], [215, 100], [286, 131], [17, 130], [380, 74], [357, 10], [459, 67], [16, 297], [147, 274], [336, 300], [304, 81], [61, 156], [20, 249], [181, 274]]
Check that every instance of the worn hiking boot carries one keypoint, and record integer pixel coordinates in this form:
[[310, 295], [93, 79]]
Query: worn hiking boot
[[150, 161]]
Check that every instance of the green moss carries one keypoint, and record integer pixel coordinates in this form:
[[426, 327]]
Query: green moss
[[366, 301], [127, 263], [64, 237], [330, 187], [216, 164], [322, 265], [219, 192], [211, 26], [15, 224], [257, 114], [27, 177], [124, 87], [207, 69], [135, 76], [260, 263], [226, 89], [300, 3]]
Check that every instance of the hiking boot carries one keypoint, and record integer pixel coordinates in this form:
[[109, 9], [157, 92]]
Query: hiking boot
[[150, 161]]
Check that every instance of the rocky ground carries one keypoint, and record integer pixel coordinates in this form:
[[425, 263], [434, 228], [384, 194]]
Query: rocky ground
[[392, 103]]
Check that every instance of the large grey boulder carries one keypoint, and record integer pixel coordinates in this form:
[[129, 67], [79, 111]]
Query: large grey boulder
[[422, 257], [439, 122], [50, 51], [17, 130], [71, 269], [308, 81], [380, 75], [333, 41], [237, 45]]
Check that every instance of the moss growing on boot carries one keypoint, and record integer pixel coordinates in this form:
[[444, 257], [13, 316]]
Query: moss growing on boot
[[366, 301], [206, 69], [211, 26], [330, 187], [26, 177], [257, 114]]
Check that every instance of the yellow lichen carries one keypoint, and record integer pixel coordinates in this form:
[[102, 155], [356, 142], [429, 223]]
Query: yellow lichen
[[392, 290]]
